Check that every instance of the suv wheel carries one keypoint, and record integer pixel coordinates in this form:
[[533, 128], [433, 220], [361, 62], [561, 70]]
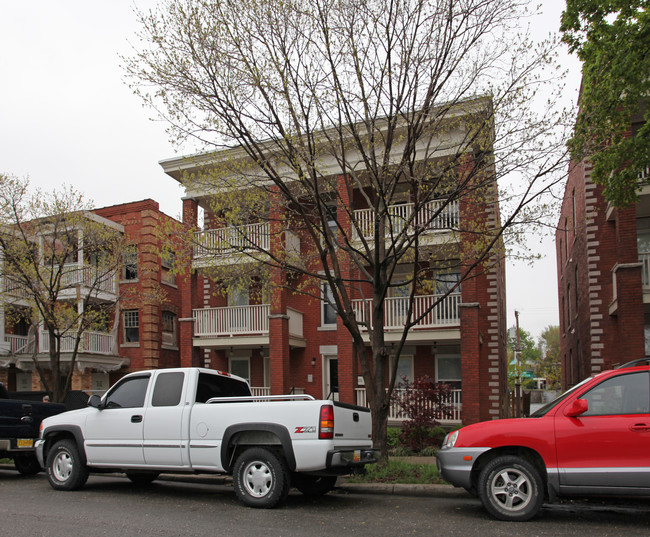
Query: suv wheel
[[511, 488]]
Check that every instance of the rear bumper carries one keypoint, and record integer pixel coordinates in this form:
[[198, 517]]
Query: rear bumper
[[341, 459], [455, 464]]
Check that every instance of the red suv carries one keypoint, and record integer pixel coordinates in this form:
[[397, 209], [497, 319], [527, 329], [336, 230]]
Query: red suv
[[592, 440]]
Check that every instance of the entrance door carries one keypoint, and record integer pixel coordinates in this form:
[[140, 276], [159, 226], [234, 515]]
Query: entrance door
[[331, 377]]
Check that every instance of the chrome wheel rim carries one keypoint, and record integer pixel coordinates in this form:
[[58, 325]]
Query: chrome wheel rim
[[510, 488], [62, 466], [258, 479]]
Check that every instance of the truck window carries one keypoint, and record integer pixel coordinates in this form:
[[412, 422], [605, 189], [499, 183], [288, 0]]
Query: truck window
[[128, 394], [217, 386], [167, 391]]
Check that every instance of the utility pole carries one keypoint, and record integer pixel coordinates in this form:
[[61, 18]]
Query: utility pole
[[518, 405]]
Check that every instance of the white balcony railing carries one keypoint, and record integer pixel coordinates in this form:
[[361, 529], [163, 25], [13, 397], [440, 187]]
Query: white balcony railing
[[232, 240], [91, 342], [260, 390], [88, 276], [396, 413], [231, 320], [17, 344], [644, 259], [445, 313], [434, 216]]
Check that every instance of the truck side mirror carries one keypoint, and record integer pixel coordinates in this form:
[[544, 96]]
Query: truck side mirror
[[95, 402], [579, 406]]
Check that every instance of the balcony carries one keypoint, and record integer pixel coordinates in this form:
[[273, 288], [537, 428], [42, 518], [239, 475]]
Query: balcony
[[395, 413], [446, 313], [91, 342], [103, 285], [241, 326], [434, 218], [230, 245]]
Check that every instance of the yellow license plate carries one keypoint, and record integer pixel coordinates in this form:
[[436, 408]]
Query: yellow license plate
[[25, 442]]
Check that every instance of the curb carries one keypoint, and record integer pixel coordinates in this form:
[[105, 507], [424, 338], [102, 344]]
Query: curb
[[392, 489]]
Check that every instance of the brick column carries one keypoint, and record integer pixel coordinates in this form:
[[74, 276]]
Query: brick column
[[279, 351], [470, 351], [629, 296], [347, 363], [187, 285]]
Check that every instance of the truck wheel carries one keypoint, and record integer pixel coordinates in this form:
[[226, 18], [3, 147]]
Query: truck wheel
[[511, 488], [142, 478], [27, 463], [64, 468], [314, 485], [261, 478]]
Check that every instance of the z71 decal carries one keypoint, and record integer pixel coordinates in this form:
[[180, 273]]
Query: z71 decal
[[300, 430]]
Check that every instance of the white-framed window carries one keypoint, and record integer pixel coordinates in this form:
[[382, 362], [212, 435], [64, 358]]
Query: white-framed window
[[130, 263], [168, 329], [131, 330], [449, 369], [328, 313], [404, 369], [240, 366]]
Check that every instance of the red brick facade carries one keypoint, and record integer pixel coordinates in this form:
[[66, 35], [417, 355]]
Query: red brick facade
[[601, 294]]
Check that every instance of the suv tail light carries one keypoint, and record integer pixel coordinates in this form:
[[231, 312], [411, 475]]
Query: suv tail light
[[326, 422]]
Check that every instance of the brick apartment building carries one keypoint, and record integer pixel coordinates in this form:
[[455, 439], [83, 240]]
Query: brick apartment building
[[291, 342], [143, 331], [603, 259]]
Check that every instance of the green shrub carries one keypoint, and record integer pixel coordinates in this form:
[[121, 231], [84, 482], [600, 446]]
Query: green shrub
[[399, 472]]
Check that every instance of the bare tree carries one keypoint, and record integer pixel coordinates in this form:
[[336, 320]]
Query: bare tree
[[57, 258], [416, 109]]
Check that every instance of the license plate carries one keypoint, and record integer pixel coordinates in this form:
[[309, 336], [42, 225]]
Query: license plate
[[357, 455], [25, 442]]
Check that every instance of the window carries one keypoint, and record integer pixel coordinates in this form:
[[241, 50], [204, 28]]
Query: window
[[625, 394], [130, 262], [445, 282], [167, 265], [217, 386], [168, 389], [328, 313], [131, 326], [128, 394], [168, 329], [449, 370], [404, 369], [240, 367]]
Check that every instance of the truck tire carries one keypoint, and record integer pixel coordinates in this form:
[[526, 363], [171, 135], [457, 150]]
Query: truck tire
[[261, 478], [142, 479], [64, 468], [511, 488], [314, 485], [27, 463]]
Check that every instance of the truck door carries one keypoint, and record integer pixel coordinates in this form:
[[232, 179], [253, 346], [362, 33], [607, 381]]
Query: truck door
[[164, 441], [114, 435]]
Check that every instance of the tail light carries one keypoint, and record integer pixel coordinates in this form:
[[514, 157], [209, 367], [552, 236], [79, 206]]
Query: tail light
[[326, 422]]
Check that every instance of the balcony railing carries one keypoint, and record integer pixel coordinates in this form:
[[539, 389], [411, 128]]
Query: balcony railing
[[241, 321], [433, 216], [17, 344], [396, 308], [395, 412], [91, 342], [232, 320], [232, 240], [88, 276]]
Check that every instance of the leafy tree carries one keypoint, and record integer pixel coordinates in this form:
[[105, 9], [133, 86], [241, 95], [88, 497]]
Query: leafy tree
[[525, 360], [323, 101], [56, 258], [612, 129], [549, 364]]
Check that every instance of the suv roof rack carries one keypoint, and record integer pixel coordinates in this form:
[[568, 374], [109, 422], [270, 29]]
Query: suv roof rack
[[634, 363]]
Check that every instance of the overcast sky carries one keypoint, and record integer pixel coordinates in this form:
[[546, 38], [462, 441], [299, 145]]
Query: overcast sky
[[66, 116]]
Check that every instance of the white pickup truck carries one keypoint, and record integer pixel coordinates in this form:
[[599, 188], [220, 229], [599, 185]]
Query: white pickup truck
[[193, 420]]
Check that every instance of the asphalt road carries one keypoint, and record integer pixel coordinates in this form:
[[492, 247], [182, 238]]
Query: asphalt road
[[112, 506]]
